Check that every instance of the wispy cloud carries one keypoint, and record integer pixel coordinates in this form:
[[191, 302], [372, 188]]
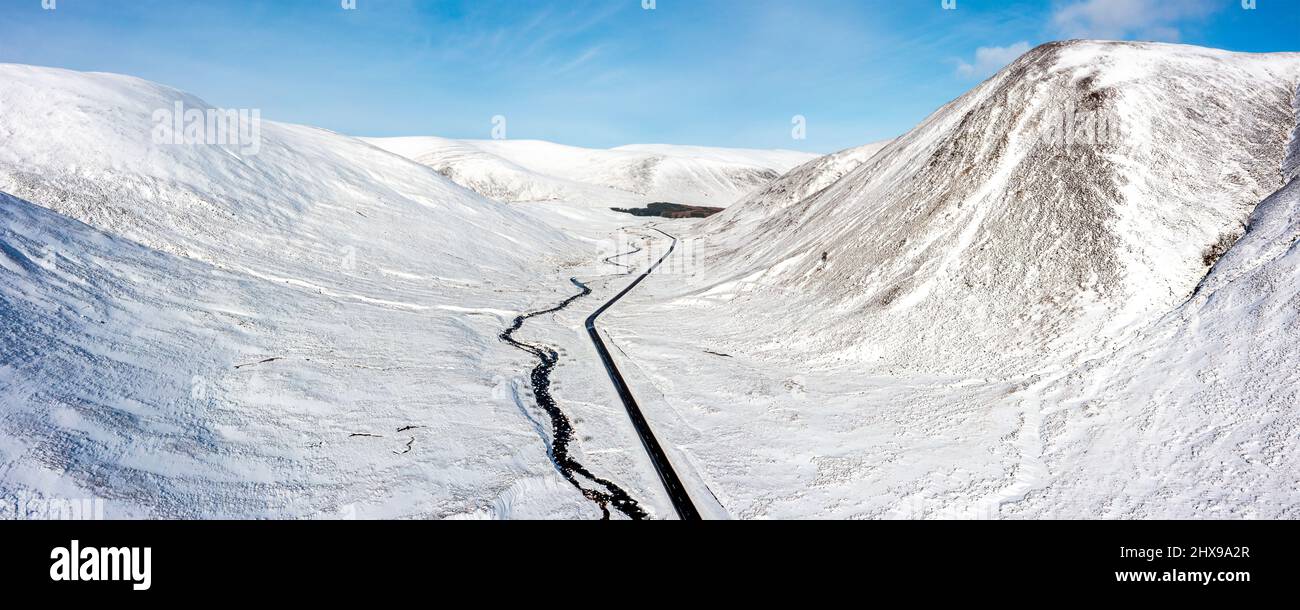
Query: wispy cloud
[[989, 60], [1123, 19], [581, 59]]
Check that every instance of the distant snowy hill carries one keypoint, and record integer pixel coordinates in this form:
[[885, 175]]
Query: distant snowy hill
[[524, 170], [1086, 187]]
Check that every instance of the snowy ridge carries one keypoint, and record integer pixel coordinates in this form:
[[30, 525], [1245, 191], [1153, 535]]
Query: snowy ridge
[[528, 170], [303, 183], [1080, 190], [794, 187], [496, 177]]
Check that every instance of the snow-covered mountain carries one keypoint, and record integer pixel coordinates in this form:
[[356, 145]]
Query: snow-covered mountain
[[84, 146], [986, 321], [1086, 187], [194, 330], [529, 170]]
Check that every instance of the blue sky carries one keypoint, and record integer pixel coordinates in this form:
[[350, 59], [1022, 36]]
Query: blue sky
[[601, 72]]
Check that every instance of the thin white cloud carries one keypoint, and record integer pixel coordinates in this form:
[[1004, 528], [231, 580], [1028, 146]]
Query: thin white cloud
[[586, 56], [1126, 19], [989, 60]]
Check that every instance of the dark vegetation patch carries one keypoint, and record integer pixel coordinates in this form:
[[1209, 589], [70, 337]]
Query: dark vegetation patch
[[1217, 249], [890, 295], [671, 210]]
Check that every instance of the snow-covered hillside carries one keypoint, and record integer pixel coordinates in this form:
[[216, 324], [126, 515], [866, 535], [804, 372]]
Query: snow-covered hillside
[[311, 330], [527, 170], [1216, 377], [1015, 329], [1086, 187], [1193, 417], [794, 187], [83, 145]]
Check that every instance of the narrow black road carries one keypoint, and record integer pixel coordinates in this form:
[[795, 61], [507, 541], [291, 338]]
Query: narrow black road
[[611, 260], [561, 427], [672, 484]]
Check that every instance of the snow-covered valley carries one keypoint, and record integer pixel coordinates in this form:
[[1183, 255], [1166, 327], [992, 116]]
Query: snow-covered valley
[[1070, 293], [309, 331]]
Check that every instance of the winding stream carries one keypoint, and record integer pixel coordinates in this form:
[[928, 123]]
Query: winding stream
[[604, 493]]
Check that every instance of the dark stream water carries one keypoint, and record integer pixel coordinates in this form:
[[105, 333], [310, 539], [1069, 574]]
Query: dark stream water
[[604, 493]]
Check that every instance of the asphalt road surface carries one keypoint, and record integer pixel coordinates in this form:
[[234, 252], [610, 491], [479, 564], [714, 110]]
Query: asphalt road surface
[[672, 483]]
